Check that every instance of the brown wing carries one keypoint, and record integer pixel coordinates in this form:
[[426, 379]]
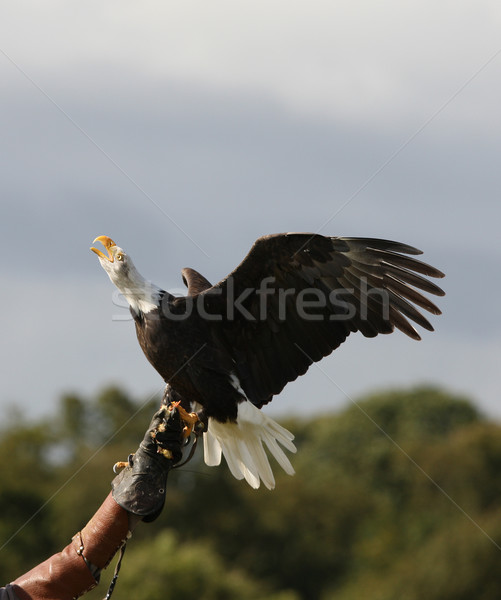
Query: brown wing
[[297, 296], [194, 281]]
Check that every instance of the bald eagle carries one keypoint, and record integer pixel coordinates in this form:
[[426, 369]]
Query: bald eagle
[[225, 350]]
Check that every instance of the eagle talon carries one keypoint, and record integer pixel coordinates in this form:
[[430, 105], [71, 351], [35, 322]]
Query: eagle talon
[[191, 419], [121, 464]]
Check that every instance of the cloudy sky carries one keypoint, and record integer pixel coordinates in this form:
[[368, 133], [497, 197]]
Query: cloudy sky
[[185, 130]]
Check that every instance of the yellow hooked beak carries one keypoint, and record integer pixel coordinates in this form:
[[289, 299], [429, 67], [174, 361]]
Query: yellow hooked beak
[[107, 243]]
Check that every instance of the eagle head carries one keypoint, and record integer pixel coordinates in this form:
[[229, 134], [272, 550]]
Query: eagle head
[[116, 262], [141, 295]]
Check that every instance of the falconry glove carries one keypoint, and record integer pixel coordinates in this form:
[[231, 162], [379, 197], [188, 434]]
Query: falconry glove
[[138, 493], [140, 487]]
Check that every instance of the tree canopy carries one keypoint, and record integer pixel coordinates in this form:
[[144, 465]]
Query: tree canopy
[[395, 497]]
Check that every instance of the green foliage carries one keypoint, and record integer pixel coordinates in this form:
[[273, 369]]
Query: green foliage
[[396, 497], [168, 569], [24, 529], [454, 563]]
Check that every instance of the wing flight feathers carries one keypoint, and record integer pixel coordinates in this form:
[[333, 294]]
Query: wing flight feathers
[[300, 295]]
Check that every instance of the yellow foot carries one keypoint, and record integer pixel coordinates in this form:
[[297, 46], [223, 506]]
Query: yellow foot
[[121, 464], [189, 418]]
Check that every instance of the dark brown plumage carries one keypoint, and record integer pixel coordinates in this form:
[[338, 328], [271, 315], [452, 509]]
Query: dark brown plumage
[[266, 348]]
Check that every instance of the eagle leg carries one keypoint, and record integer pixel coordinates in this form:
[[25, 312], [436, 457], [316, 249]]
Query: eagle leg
[[190, 419], [202, 424]]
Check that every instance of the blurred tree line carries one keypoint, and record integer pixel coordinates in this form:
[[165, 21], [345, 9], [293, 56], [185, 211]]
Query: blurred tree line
[[396, 497]]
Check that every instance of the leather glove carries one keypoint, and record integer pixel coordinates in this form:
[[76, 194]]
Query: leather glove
[[140, 487], [138, 492]]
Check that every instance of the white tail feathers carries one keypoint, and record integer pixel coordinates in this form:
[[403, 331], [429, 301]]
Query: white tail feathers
[[241, 443]]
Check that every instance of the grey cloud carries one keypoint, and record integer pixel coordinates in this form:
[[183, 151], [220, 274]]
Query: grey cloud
[[227, 164]]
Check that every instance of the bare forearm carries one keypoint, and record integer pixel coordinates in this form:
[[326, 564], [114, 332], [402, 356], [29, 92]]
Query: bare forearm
[[75, 570]]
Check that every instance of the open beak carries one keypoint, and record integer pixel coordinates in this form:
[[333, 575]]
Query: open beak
[[107, 243]]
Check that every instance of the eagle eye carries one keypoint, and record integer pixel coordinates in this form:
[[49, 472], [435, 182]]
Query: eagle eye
[[120, 257]]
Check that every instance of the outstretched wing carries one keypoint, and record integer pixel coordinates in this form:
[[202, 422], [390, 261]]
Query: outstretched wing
[[297, 296], [194, 281]]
